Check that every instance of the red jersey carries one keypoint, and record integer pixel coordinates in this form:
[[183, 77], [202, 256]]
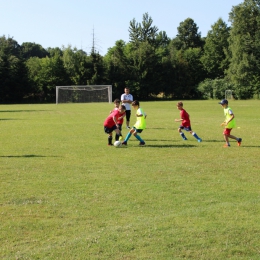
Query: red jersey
[[120, 122], [186, 118], [109, 122]]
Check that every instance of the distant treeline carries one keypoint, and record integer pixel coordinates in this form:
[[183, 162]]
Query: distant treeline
[[151, 64]]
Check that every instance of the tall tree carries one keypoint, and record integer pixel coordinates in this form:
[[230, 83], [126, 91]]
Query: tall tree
[[117, 67], [188, 35], [13, 73], [143, 32], [30, 49], [214, 59], [244, 69]]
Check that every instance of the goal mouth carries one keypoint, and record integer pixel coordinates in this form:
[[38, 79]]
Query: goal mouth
[[83, 94], [229, 94]]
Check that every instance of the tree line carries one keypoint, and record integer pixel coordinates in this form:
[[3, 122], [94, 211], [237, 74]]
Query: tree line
[[151, 64]]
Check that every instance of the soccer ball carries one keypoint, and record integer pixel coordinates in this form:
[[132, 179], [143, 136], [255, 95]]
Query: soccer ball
[[117, 144]]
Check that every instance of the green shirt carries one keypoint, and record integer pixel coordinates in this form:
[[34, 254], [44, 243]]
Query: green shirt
[[227, 114], [140, 120]]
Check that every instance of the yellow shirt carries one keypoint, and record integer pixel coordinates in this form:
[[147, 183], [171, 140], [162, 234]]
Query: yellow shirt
[[140, 120], [228, 114]]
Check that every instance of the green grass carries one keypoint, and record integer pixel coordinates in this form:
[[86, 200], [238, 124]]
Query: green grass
[[66, 195]]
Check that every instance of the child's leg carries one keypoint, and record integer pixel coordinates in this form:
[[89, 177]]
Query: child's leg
[[196, 136], [239, 140], [120, 137], [110, 139], [182, 134], [227, 140], [138, 138], [129, 135]]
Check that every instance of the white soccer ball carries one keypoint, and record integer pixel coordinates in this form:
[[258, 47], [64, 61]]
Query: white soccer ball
[[117, 144]]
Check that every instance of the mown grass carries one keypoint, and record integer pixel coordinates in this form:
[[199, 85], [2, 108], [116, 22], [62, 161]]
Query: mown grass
[[66, 195]]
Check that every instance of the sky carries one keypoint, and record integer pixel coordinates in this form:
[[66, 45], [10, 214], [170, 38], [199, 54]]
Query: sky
[[79, 23]]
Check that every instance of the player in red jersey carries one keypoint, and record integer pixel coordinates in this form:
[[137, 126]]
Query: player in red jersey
[[185, 123], [111, 123]]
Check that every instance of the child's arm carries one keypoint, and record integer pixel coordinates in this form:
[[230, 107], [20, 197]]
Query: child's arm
[[178, 120], [121, 117], [226, 122]]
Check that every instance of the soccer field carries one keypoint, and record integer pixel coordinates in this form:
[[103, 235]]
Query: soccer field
[[65, 194]]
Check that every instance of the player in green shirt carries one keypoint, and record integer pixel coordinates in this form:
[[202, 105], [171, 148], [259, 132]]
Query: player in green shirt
[[229, 123], [139, 126]]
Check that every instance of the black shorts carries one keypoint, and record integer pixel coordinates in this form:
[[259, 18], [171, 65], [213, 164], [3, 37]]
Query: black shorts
[[127, 115], [138, 130], [109, 130], [185, 128]]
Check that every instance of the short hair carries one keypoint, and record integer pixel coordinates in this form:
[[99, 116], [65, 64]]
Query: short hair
[[117, 100], [135, 103], [179, 104], [123, 107]]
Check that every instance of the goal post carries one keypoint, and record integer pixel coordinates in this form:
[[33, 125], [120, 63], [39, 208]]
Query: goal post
[[229, 94], [83, 94]]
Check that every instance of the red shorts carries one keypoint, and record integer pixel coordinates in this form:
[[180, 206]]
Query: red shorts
[[227, 131]]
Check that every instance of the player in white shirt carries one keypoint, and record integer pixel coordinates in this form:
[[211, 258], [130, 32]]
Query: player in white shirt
[[127, 100]]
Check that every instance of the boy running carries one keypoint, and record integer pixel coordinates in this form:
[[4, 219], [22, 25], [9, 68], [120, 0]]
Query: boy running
[[185, 123], [139, 126], [229, 123]]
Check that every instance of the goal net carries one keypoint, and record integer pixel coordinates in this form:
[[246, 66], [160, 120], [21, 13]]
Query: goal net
[[228, 94], [84, 94]]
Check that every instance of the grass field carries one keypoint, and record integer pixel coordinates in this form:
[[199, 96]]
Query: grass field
[[65, 194]]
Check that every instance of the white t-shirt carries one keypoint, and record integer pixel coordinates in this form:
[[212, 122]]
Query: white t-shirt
[[126, 97]]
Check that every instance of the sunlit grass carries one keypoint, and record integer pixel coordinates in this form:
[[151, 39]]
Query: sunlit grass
[[66, 195]]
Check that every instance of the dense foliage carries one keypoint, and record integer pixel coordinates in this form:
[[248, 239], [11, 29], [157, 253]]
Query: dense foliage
[[151, 64]]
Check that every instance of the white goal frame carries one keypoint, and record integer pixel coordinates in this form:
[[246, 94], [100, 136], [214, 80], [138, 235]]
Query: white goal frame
[[229, 94], [73, 94]]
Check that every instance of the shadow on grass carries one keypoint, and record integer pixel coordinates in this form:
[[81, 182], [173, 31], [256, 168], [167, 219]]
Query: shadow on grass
[[14, 111], [213, 141], [7, 119], [170, 146], [25, 156]]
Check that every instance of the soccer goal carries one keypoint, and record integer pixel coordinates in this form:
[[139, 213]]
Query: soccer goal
[[228, 94], [83, 94]]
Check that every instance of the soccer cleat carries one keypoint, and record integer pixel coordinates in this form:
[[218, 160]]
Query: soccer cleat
[[239, 141], [226, 145], [128, 127], [109, 144], [142, 143], [199, 140], [185, 139], [124, 143]]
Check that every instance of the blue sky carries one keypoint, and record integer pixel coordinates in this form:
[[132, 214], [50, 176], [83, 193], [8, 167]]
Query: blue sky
[[57, 23]]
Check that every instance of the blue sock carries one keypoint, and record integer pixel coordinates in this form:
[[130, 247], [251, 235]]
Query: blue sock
[[139, 138], [195, 135], [128, 136], [183, 135]]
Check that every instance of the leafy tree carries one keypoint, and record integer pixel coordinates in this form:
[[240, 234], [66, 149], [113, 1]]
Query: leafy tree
[[244, 69], [214, 88], [13, 73], [96, 69], [29, 50], [45, 74], [145, 68], [77, 65], [188, 35], [143, 32], [117, 67], [214, 59]]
